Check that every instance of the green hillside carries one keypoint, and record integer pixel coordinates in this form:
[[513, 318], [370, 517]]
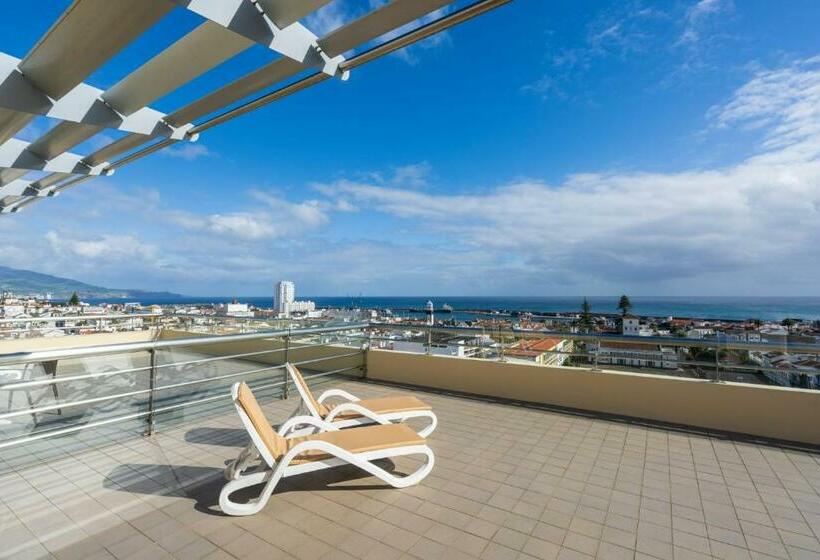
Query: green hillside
[[24, 282]]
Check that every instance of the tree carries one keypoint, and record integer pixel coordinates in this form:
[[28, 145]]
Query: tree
[[788, 323], [624, 305], [586, 316], [75, 299]]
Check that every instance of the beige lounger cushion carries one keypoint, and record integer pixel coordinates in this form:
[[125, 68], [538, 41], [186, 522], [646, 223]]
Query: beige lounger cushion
[[388, 405], [275, 443], [297, 376], [357, 440], [360, 440], [380, 405]]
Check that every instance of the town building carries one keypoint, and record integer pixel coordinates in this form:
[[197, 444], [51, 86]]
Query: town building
[[548, 351], [284, 300], [618, 353]]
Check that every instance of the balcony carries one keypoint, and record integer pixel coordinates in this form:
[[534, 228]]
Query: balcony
[[532, 461]]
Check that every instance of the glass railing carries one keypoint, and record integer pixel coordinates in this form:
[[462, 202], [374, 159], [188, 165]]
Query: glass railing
[[76, 395], [782, 362]]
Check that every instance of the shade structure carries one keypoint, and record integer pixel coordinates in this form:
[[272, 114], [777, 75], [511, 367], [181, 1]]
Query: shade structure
[[52, 80]]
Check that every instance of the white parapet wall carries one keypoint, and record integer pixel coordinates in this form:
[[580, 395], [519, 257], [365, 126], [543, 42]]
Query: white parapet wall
[[764, 411]]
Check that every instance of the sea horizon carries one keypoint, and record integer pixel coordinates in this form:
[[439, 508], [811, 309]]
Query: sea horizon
[[767, 308]]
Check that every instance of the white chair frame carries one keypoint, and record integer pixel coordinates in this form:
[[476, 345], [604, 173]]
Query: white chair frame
[[274, 470], [367, 415]]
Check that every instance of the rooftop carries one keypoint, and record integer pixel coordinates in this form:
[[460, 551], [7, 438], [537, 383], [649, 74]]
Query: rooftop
[[509, 482]]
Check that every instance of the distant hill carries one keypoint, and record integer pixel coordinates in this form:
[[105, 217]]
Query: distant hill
[[25, 282]]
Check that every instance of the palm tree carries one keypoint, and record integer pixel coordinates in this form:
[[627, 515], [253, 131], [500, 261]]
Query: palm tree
[[586, 316], [624, 305], [788, 323]]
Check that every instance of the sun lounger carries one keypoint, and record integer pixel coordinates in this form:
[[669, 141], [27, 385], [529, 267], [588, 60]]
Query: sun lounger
[[357, 412], [329, 447]]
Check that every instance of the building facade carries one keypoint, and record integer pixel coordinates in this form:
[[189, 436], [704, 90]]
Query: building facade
[[635, 355], [547, 351], [283, 296]]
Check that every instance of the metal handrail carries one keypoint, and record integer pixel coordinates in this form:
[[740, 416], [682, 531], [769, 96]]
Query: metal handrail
[[94, 400], [64, 353], [16, 385], [153, 390], [53, 319], [148, 413], [595, 337]]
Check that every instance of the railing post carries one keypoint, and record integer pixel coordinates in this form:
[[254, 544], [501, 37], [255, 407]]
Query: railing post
[[597, 353], [286, 377], [366, 352], [152, 380], [717, 364]]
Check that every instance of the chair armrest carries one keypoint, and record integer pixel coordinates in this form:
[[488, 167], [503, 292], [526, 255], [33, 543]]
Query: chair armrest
[[337, 393], [298, 421], [353, 407]]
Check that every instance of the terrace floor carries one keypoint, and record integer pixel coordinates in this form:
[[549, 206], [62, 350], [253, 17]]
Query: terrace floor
[[509, 482]]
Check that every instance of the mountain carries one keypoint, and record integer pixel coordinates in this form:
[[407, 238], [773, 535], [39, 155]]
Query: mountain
[[25, 282]]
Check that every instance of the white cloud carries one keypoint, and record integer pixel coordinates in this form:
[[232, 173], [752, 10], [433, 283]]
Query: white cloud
[[329, 17], [762, 212], [750, 227], [103, 247], [248, 226], [279, 218], [698, 15], [188, 151]]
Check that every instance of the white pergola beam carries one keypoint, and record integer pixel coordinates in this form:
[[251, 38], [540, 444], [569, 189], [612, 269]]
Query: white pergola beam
[[83, 104], [231, 26], [204, 48], [22, 189], [87, 35], [242, 17], [379, 22], [285, 12], [15, 154], [373, 25]]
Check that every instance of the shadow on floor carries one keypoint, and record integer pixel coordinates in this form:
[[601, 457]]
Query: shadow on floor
[[228, 437], [203, 484]]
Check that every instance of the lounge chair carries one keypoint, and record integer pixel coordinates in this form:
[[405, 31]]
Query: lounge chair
[[357, 412], [330, 447]]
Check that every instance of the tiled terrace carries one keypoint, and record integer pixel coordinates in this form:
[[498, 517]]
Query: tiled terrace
[[509, 482]]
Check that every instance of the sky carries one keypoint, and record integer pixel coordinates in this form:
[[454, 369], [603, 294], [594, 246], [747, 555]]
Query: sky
[[546, 148]]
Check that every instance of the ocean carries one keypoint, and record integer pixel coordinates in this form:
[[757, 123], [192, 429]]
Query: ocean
[[738, 308]]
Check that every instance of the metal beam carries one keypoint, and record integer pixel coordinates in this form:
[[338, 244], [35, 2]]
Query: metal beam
[[204, 48], [15, 154], [82, 104], [244, 18], [381, 21], [87, 35], [285, 12]]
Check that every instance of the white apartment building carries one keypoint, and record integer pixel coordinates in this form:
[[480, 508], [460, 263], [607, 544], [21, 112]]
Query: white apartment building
[[235, 309], [459, 349], [284, 300], [284, 296], [631, 326], [636, 355]]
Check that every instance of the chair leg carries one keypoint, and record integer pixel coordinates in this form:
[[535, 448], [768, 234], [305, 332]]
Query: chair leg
[[31, 404], [50, 368], [269, 477]]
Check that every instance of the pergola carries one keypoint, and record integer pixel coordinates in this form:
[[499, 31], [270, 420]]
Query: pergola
[[51, 79]]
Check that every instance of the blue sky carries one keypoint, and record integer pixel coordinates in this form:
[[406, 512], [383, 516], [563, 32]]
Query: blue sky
[[547, 148]]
